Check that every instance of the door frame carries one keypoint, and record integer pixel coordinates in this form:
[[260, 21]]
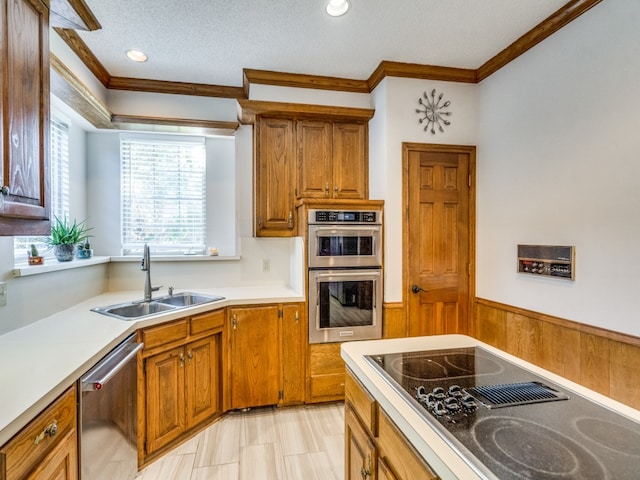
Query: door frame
[[431, 147]]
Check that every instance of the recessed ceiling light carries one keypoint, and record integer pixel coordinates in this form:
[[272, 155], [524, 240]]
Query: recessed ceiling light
[[136, 55], [336, 8]]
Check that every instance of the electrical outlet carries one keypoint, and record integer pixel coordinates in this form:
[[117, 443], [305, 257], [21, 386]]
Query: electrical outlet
[[266, 265], [3, 294]]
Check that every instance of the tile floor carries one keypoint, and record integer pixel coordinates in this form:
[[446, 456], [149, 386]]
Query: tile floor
[[296, 443]]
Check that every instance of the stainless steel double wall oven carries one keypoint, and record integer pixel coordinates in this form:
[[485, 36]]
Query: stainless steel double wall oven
[[345, 275]]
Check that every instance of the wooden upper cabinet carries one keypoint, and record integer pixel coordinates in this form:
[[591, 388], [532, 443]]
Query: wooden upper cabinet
[[24, 114], [315, 152], [274, 177], [350, 161], [332, 160]]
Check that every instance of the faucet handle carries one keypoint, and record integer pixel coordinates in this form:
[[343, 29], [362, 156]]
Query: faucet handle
[[155, 289], [171, 291]]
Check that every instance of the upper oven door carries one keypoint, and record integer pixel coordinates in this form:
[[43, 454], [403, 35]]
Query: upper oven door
[[345, 246]]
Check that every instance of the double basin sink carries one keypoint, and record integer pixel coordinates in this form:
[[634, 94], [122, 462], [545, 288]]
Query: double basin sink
[[138, 309]]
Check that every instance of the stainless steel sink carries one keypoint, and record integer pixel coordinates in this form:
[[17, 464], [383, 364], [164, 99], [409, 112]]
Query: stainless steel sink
[[139, 309], [188, 299]]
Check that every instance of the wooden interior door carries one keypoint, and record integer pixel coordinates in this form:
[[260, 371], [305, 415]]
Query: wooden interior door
[[438, 237]]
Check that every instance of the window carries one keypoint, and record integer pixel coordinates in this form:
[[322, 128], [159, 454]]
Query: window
[[59, 188], [163, 197]]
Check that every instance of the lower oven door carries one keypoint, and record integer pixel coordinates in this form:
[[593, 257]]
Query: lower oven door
[[345, 305]]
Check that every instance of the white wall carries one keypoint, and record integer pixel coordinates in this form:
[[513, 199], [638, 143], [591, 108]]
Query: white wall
[[559, 164], [394, 123], [34, 297]]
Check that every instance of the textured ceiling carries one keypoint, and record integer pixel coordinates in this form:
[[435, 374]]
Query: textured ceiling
[[211, 41]]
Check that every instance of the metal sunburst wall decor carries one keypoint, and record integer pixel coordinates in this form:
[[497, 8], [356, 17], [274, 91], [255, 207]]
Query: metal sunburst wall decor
[[433, 112]]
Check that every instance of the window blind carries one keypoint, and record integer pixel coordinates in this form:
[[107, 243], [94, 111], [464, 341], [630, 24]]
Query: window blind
[[163, 196], [59, 188]]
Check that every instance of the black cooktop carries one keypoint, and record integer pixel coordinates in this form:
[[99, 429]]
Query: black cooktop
[[509, 423]]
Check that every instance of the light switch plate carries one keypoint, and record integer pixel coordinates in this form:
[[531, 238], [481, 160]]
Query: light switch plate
[[3, 294]]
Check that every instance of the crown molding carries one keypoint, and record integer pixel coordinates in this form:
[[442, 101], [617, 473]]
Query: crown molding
[[248, 110], [178, 88], [544, 29], [425, 72], [174, 125], [566, 14], [72, 14], [266, 77]]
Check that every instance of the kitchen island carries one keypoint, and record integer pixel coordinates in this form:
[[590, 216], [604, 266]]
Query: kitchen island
[[438, 448]]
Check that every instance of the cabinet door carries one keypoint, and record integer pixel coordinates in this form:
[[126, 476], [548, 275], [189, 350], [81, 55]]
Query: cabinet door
[[274, 177], [314, 143], [165, 384], [24, 111], [255, 356], [350, 164], [203, 379], [61, 463], [294, 329], [360, 452]]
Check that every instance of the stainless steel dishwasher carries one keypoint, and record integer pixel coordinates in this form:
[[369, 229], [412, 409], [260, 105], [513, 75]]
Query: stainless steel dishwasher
[[108, 415]]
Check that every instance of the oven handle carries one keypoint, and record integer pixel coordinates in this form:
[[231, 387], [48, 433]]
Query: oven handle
[[375, 273], [345, 229]]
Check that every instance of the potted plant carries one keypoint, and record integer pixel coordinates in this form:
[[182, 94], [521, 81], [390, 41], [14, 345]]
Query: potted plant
[[65, 236], [34, 256]]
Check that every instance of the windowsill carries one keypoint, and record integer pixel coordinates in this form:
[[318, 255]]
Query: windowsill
[[176, 258], [25, 270]]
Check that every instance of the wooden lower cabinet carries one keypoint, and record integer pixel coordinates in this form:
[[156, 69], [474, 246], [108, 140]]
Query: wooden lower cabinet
[[266, 357], [360, 452], [374, 447], [254, 340], [182, 378], [326, 373], [47, 448]]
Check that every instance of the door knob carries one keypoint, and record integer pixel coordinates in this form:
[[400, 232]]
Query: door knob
[[417, 289]]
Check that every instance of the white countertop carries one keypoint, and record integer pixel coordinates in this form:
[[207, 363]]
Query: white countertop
[[41, 360], [442, 458]]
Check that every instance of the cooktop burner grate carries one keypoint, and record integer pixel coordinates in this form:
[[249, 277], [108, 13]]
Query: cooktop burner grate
[[512, 394]]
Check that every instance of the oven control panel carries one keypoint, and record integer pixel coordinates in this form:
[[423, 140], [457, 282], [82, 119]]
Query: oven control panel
[[343, 216]]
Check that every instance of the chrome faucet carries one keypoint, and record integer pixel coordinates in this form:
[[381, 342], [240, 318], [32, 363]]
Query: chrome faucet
[[145, 266]]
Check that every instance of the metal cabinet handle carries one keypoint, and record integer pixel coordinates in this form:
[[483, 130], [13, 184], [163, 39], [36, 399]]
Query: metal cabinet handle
[[366, 472], [290, 220], [234, 322], [181, 359], [190, 355], [335, 188], [50, 431], [297, 317], [326, 189], [5, 190]]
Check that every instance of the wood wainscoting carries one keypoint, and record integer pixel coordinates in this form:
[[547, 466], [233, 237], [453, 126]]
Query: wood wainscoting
[[602, 360], [394, 324]]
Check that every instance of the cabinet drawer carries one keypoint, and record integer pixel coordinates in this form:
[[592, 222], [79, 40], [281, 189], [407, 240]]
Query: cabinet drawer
[[363, 403], [206, 322], [325, 358], [165, 333], [23, 452], [327, 385]]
